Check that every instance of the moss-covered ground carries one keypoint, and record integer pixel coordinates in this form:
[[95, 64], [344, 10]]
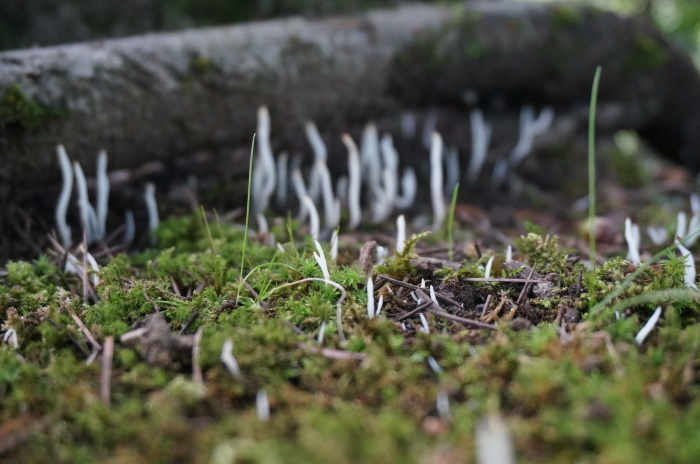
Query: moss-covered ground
[[557, 374]]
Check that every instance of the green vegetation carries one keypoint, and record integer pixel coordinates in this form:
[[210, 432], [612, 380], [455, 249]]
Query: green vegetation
[[572, 387], [18, 109]]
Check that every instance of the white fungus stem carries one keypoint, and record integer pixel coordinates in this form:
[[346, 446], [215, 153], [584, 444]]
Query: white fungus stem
[[315, 224], [436, 181], [370, 298], [229, 360], [152, 207], [264, 171], [320, 258], [648, 327], [300, 190], [102, 195], [64, 197], [632, 237], [354, 182], [87, 213], [481, 135], [400, 233]]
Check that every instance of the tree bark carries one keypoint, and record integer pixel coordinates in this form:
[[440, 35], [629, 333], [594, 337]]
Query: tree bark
[[156, 97]]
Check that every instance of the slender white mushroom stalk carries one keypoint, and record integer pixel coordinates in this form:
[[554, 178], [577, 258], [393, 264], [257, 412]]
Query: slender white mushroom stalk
[[695, 203], [331, 207], [64, 197], [102, 195], [690, 272], [434, 365], [320, 258], [400, 233], [370, 158], [262, 224], [494, 441], [693, 230], [152, 207], [432, 294], [442, 404], [341, 190], [10, 338], [481, 136], [380, 302], [229, 360], [408, 125], [425, 328], [262, 405], [391, 170], [384, 203], [452, 170], [321, 333], [429, 126], [487, 270], [282, 176], [370, 298], [409, 188], [658, 235], [436, 182], [681, 225], [500, 170], [648, 327], [530, 127], [88, 218], [509, 253], [314, 221], [264, 172], [130, 227], [334, 245], [632, 236], [320, 154], [300, 190]]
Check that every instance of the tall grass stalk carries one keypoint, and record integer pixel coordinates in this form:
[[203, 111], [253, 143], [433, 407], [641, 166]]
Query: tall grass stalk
[[450, 221], [591, 167], [247, 217]]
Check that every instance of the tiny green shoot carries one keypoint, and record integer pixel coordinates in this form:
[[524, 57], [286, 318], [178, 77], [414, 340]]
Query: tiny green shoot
[[591, 167], [247, 217], [450, 221]]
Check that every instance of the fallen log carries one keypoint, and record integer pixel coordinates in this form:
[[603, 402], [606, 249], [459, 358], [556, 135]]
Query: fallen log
[[159, 96]]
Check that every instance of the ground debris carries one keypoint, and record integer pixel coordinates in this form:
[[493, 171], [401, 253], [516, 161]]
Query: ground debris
[[159, 345]]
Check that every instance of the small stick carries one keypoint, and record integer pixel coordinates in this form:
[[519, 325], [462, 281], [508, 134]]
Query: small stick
[[578, 282], [106, 374], [413, 311], [415, 288], [463, 320], [487, 303], [151, 300], [526, 287], [189, 322], [477, 248], [80, 346], [176, 289], [330, 353], [196, 368], [85, 264], [83, 327]]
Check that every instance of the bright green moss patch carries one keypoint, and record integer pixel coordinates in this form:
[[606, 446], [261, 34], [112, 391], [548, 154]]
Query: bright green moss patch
[[570, 386], [18, 109]]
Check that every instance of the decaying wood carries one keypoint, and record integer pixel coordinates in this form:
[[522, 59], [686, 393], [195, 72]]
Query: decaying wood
[[156, 97]]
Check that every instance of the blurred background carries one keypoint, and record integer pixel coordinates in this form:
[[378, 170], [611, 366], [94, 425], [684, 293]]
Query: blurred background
[[27, 23]]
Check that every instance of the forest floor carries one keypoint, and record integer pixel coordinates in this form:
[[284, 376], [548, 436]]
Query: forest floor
[[213, 346]]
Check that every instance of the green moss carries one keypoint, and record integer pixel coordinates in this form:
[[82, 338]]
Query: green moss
[[647, 55], [566, 16], [18, 109]]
